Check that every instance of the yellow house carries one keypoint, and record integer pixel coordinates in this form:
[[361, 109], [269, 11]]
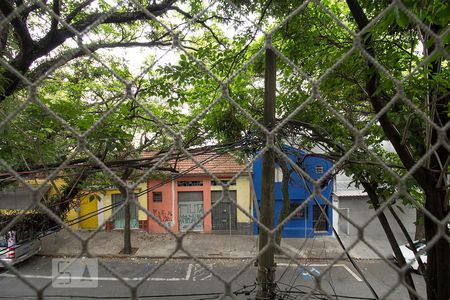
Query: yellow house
[[96, 208]]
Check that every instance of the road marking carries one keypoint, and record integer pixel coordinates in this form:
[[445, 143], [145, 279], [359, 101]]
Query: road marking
[[308, 274], [326, 265], [189, 272], [92, 278], [200, 273], [196, 271]]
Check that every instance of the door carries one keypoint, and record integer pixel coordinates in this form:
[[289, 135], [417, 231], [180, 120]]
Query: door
[[224, 214], [88, 212], [190, 210], [119, 219], [320, 223]]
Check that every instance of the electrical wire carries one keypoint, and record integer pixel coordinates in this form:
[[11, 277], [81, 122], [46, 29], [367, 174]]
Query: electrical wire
[[91, 214], [339, 239]]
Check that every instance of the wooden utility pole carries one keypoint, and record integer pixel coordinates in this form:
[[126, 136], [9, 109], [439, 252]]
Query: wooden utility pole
[[266, 263]]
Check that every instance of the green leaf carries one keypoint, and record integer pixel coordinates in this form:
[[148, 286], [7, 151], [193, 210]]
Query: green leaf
[[402, 19]]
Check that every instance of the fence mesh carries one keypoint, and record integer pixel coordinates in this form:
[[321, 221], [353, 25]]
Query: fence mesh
[[218, 49]]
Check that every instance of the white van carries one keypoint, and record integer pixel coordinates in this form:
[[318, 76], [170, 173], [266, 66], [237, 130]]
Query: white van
[[16, 247]]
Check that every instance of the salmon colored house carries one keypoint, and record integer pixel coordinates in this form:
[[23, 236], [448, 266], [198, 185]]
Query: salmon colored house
[[180, 200]]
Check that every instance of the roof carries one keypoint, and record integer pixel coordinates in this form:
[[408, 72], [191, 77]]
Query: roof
[[215, 163], [344, 187]]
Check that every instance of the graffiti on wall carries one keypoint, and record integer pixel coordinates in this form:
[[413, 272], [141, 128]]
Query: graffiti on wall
[[190, 212], [165, 216]]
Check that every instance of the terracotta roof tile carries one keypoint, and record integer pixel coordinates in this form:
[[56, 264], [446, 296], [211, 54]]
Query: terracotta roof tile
[[218, 164]]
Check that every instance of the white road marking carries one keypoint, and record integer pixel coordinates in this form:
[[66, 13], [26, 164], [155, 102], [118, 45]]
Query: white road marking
[[200, 273], [325, 265], [92, 278], [189, 272], [197, 272]]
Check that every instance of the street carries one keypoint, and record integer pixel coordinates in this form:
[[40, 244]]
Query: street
[[187, 279]]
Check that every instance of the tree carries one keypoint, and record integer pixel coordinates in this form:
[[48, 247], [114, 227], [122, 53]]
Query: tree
[[350, 112], [344, 107]]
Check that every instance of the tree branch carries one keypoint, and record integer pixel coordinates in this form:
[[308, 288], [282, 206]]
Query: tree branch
[[31, 51], [19, 26], [56, 10], [202, 22], [77, 10], [372, 85], [76, 53]]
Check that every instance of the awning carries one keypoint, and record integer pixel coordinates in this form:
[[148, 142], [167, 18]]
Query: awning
[[20, 198]]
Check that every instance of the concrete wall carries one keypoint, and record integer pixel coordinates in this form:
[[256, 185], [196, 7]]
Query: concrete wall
[[359, 212]]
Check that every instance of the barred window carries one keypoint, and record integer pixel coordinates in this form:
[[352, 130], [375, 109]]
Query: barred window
[[190, 183]]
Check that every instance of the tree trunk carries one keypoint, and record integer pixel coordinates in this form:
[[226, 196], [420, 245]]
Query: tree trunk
[[438, 261], [408, 238], [127, 230], [127, 214], [420, 226], [286, 203], [432, 178], [371, 192]]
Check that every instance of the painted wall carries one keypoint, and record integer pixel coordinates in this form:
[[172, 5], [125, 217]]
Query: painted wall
[[102, 201], [168, 213], [106, 197], [299, 190], [161, 210], [243, 197]]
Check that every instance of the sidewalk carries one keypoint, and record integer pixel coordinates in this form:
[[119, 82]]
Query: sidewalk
[[149, 245]]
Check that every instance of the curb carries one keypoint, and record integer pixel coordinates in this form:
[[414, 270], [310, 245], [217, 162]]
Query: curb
[[186, 257]]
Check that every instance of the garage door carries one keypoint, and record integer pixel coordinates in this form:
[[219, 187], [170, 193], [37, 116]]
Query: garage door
[[190, 210]]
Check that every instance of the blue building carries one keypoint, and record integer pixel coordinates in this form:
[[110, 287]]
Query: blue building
[[310, 221]]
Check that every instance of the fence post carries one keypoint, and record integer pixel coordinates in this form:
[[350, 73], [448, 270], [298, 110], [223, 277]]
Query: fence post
[[266, 266]]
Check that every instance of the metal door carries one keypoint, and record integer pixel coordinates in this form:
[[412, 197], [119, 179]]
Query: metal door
[[190, 210], [224, 215], [119, 219], [320, 223]]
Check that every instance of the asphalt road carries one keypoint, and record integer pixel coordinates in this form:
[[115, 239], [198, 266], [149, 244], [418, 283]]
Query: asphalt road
[[187, 279]]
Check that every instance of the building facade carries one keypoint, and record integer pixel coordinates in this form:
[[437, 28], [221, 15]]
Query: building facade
[[316, 217], [188, 199]]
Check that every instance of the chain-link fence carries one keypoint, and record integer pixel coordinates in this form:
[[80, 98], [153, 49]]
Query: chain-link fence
[[133, 95]]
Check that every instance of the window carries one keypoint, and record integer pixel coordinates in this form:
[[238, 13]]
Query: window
[[319, 169], [320, 222], [301, 214], [224, 181], [157, 196], [190, 183]]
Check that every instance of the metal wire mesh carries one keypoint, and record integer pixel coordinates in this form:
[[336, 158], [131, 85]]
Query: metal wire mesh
[[157, 14]]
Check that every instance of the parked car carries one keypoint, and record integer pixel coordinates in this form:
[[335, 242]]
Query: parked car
[[409, 256], [16, 247]]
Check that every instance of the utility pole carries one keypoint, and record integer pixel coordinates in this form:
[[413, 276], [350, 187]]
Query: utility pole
[[266, 264]]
